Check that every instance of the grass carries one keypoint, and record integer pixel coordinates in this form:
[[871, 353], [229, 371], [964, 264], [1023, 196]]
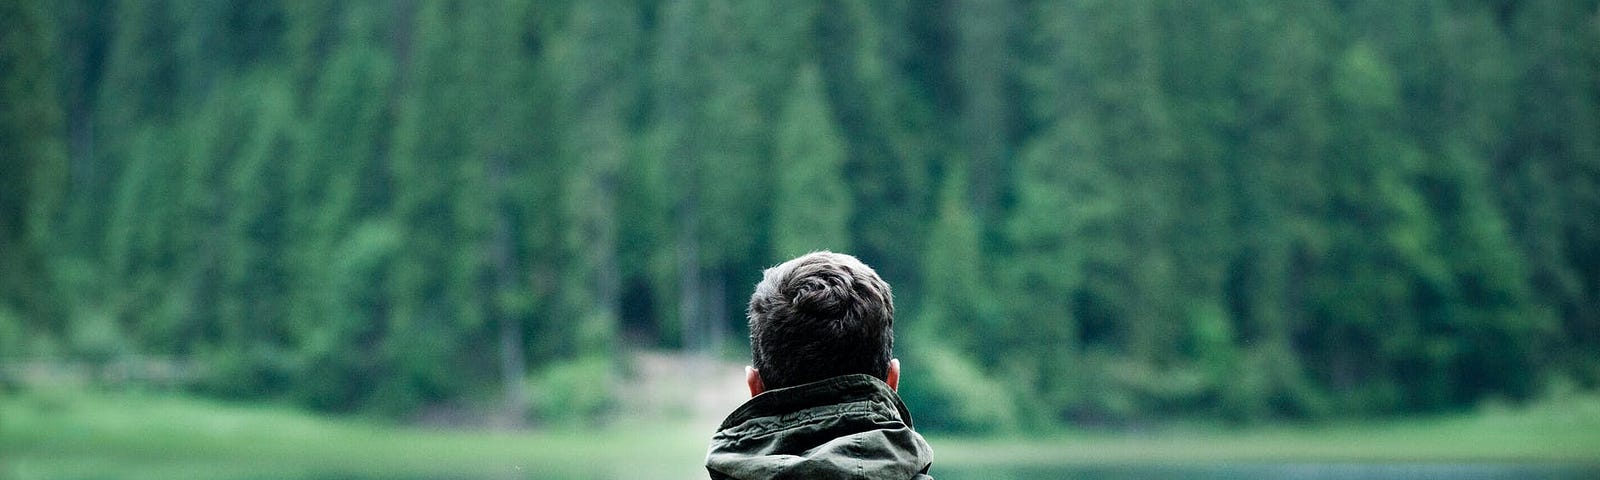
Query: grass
[[136, 436], [1556, 432], [151, 435]]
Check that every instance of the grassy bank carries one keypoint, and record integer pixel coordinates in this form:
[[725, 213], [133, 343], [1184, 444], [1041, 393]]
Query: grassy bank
[[137, 436], [1562, 431], [134, 435]]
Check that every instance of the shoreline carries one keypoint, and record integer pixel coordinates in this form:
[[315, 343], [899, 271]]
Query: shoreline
[[166, 435]]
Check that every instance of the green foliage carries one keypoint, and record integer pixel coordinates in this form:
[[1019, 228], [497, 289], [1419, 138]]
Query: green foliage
[[811, 209], [32, 160], [11, 333], [575, 393], [955, 279], [952, 393], [1119, 212]]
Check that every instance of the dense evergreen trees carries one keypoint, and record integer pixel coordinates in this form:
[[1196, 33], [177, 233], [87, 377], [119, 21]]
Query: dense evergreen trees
[[1091, 211]]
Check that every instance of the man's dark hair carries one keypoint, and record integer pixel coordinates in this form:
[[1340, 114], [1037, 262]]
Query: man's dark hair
[[819, 316]]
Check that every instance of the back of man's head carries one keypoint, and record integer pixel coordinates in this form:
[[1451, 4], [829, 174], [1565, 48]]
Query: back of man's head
[[819, 316]]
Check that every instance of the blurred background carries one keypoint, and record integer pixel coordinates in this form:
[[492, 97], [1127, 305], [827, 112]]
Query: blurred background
[[533, 214]]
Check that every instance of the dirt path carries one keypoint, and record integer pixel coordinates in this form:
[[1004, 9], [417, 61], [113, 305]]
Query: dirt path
[[672, 385]]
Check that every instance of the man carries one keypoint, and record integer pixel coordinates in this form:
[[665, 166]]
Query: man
[[823, 385]]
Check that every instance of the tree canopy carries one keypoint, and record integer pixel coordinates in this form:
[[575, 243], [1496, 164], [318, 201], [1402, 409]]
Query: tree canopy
[[1092, 212]]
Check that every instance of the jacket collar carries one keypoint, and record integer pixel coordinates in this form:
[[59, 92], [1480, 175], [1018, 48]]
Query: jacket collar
[[842, 427]]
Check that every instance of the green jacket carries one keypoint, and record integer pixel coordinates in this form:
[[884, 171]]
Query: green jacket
[[847, 427]]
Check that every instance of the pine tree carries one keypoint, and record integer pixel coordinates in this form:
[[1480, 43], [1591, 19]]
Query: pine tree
[[32, 174], [812, 206]]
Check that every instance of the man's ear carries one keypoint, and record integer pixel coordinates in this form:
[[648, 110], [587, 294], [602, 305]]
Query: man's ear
[[894, 374], [752, 378]]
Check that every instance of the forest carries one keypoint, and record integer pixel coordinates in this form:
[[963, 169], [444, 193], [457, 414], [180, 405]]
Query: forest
[[1092, 213]]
